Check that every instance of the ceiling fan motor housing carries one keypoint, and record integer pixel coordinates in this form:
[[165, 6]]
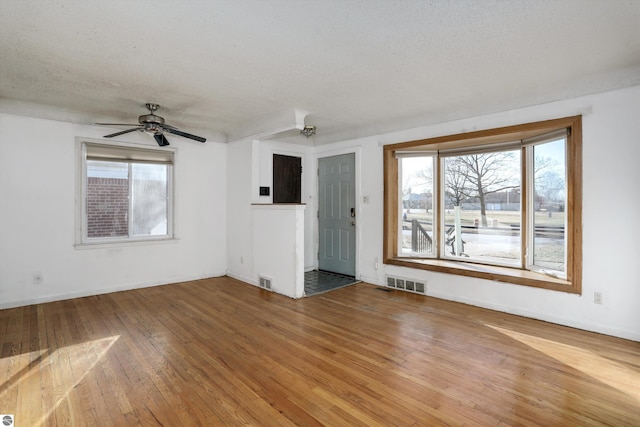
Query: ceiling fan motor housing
[[151, 118]]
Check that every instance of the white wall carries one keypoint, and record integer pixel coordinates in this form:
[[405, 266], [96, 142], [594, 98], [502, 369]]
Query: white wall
[[37, 218], [611, 204], [265, 171], [250, 167], [278, 247], [241, 182], [216, 185]]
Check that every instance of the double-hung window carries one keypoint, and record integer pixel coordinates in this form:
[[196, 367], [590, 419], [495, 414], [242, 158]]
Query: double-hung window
[[126, 193], [502, 204]]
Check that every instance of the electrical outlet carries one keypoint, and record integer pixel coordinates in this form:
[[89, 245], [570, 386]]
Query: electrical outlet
[[597, 297], [37, 278]]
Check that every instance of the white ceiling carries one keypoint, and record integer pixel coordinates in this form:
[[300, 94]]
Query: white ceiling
[[228, 69]]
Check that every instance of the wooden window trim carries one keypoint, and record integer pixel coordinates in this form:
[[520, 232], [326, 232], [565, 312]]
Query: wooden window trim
[[573, 282]]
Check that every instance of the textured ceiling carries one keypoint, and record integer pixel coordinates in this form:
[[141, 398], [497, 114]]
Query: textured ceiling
[[228, 69]]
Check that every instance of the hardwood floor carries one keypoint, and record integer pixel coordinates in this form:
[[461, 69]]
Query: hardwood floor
[[218, 352]]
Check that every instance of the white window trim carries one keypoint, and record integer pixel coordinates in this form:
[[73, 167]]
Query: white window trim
[[81, 241]]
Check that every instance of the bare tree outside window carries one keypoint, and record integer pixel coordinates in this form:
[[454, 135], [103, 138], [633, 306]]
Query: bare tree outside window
[[475, 185], [504, 204], [478, 175], [549, 183], [456, 182], [549, 218]]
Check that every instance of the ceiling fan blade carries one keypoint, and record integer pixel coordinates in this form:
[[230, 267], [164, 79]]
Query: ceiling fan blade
[[121, 132], [161, 140], [117, 124], [185, 135]]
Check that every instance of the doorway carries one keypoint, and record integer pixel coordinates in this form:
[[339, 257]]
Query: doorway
[[337, 214]]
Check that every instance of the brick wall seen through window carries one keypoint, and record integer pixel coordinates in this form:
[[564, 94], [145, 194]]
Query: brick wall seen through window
[[107, 207]]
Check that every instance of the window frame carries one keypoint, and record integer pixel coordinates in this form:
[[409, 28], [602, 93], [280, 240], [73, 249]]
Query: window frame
[[135, 154], [529, 147], [442, 207], [493, 137], [435, 169]]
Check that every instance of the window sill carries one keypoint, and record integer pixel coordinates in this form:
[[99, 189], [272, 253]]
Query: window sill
[[124, 243], [489, 272]]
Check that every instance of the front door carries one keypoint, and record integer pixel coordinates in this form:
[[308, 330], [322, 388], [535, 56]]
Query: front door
[[337, 214]]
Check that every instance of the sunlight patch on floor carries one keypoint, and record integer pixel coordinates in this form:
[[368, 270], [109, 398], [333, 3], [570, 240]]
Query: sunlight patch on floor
[[602, 369], [25, 365], [78, 359]]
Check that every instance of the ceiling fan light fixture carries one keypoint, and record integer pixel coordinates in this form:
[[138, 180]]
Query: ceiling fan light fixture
[[153, 125], [308, 130]]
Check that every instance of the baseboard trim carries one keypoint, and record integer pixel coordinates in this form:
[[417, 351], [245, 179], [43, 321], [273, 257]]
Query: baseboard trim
[[102, 291], [242, 278], [585, 326]]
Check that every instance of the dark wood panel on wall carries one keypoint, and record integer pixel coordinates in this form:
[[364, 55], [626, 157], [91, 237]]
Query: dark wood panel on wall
[[287, 179]]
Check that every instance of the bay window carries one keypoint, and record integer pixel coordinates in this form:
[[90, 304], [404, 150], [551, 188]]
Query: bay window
[[502, 204]]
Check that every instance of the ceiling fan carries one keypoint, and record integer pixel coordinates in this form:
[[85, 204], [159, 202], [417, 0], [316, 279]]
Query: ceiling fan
[[153, 124]]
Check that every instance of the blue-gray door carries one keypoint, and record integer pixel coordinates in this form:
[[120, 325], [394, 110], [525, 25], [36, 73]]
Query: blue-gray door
[[337, 214]]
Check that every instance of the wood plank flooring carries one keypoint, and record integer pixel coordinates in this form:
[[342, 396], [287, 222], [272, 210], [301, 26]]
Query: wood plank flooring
[[219, 352]]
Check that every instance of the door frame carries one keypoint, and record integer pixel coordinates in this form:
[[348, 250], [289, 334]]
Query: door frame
[[319, 154]]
